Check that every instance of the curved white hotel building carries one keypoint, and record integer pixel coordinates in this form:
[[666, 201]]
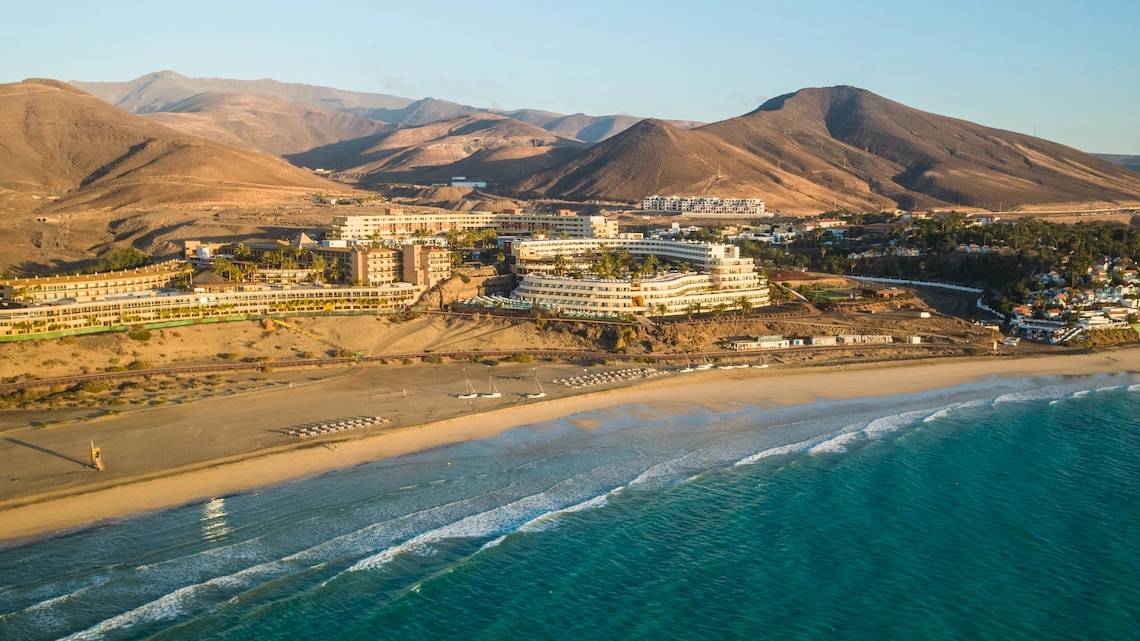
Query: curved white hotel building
[[720, 277]]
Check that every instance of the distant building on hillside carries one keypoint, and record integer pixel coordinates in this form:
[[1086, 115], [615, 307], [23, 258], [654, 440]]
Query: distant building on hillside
[[705, 206], [461, 181]]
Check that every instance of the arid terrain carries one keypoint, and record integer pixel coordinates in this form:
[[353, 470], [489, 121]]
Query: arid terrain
[[837, 146], [264, 123], [490, 146]]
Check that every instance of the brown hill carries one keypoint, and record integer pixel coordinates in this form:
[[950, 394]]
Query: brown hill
[[421, 112], [836, 146], [61, 148], [481, 146], [593, 129], [263, 123], [158, 91]]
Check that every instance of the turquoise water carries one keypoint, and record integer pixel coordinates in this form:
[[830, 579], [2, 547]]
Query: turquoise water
[[1007, 510]]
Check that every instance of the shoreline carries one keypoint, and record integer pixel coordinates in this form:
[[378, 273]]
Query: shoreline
[[67, 509]]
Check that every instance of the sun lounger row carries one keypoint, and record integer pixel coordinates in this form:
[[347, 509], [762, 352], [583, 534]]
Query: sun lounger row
[[612, 376], [339, 425]]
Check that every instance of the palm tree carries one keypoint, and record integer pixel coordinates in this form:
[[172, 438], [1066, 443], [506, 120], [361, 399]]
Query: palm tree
[[318, 264], [651, 264], [623, 261], [560, 263], [335, 272], [186, 274], [661, 309], [223, 268], [745, 305], [242, 252]]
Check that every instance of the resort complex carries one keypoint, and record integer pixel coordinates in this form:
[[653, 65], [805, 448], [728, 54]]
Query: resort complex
[[607, 277]]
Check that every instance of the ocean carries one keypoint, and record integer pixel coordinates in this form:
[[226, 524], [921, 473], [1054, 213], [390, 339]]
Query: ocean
[[1008, 509]]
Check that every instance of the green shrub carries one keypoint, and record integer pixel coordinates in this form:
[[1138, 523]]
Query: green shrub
[[94, 387], [138, 333]]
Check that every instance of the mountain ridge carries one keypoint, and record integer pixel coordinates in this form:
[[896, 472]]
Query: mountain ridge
[[825, 147], [159, 91]]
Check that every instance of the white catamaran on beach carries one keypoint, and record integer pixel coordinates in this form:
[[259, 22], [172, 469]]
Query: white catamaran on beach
[[469, 392], [494, 393], [538, 391]]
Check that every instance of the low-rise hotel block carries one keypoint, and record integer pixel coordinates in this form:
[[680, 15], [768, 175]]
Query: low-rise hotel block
[[89, 287], [704, 206], [157, 310], [399, 224]]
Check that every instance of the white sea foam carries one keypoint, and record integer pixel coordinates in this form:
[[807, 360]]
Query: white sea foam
[[493, 542], [780, 450], [487, 523], [166, 607], [174, 603], [56, 600], [671, 467], [894, 422], [1134, 388], [546, 521], [949, 410], [835, 444], [1039, 394]]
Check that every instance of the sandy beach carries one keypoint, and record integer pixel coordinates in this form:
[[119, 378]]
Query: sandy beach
[[160, 471]]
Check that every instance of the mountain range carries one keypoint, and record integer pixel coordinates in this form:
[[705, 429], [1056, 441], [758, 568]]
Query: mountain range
[[61, 148], [163, 90], [196, 139], [827, 147]]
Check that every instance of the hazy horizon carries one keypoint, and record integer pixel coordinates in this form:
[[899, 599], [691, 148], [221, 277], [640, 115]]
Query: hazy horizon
[[1065, 72]]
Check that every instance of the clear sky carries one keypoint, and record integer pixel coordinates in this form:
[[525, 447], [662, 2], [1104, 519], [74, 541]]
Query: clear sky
[[1070, 69]]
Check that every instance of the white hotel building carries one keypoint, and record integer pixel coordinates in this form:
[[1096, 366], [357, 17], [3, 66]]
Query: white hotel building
[[721, 278], [705, 206], [399, 224]]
